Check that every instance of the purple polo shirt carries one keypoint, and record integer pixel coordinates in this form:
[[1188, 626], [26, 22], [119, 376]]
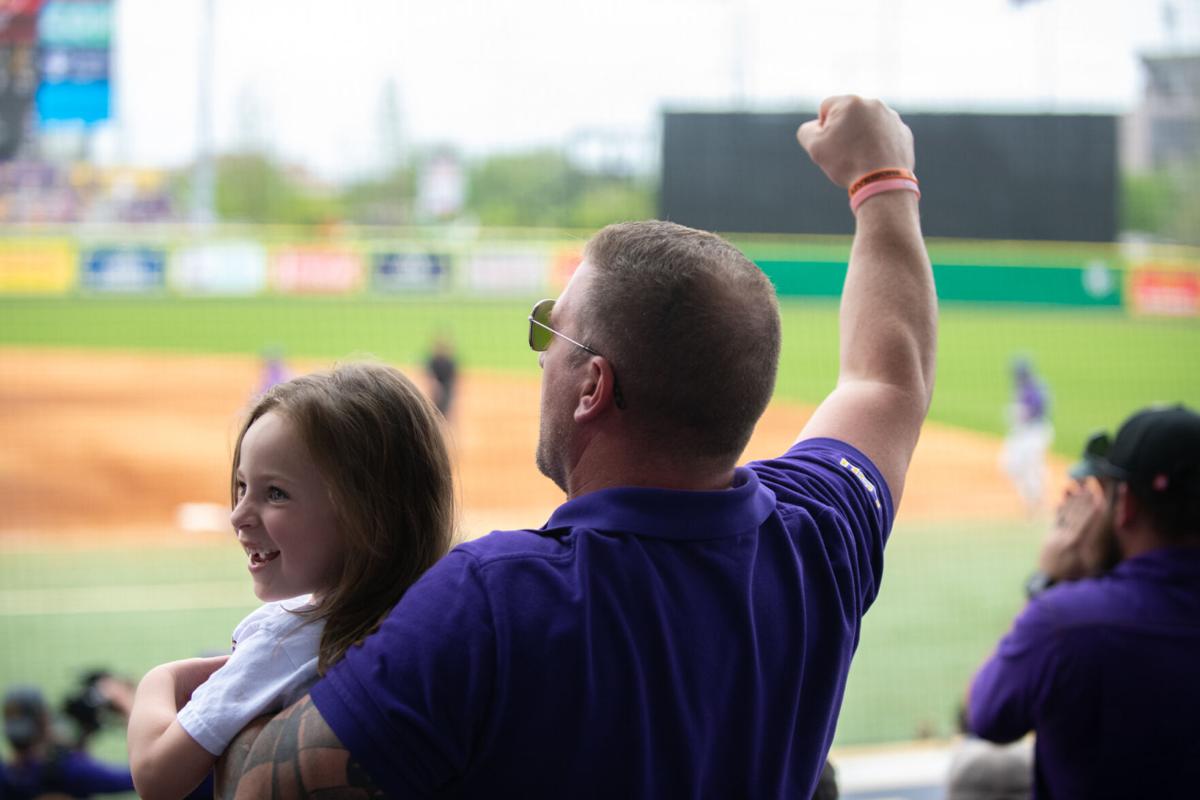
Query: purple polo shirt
[[643, 644], [72, 773], [1107, 673]]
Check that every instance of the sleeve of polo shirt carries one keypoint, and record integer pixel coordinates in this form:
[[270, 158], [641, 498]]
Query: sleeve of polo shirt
[[847, 498], [410, 702], [274, 661], [1013, 687]]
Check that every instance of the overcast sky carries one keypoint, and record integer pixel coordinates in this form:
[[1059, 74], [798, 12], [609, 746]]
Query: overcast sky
[[308, 78]]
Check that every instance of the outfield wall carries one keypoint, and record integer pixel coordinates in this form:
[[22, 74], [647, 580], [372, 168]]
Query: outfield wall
[[1048, 177], [254, 262]]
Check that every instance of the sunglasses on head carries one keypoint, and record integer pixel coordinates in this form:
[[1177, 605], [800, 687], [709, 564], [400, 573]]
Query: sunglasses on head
[[540, 335]]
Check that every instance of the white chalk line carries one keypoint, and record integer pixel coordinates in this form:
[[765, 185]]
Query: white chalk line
[[123, 599]]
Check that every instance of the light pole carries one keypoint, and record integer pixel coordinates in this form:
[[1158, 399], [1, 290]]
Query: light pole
[[203, 178]]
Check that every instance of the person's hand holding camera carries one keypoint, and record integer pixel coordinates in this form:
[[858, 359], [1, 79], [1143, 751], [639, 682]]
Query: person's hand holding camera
[[1080, 543]]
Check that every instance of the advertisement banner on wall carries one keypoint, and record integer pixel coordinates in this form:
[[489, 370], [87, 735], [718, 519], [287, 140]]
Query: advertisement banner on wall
[[316, 270], [1157, 291], [409, 272], [221, 268], [38, 266], [124, 269], [507, 273]]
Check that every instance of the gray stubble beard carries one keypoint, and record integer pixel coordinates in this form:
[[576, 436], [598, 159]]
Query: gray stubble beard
[[549, 452], [553, 432]]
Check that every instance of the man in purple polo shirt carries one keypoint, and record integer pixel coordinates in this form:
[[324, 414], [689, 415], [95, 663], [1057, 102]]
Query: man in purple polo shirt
[[1103, 665], [680, 627]]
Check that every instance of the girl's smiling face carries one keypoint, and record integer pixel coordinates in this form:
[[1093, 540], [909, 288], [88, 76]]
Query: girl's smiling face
[[284, 517]]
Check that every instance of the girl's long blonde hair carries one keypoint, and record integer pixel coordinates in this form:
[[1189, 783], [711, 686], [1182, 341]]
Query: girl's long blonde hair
[[379, 445]]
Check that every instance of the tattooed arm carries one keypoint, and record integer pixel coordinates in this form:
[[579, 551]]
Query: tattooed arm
[[291, 755]]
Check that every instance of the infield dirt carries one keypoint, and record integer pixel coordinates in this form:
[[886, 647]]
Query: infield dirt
[[109, 446]]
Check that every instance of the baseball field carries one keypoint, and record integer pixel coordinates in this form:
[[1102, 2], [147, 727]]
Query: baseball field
[[117, 416]]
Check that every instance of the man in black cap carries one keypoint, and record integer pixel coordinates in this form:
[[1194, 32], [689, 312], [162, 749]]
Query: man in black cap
[[1103, 664]]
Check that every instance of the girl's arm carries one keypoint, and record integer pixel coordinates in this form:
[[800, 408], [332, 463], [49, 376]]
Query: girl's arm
[[166, 762]]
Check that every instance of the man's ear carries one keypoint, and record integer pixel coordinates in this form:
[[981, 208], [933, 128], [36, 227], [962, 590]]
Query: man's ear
[[1125, 507], [596, 394]]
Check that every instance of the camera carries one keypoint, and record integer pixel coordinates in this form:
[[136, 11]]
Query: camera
[[88, 707]]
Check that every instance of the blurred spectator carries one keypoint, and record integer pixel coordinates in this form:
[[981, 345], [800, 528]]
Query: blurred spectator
[[43, 765], [443, 370], [980, 770], [1102, 663], [42, 192], [827, 788], [274, 369]]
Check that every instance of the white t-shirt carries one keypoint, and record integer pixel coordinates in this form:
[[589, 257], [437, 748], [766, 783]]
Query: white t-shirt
[[273, 664]]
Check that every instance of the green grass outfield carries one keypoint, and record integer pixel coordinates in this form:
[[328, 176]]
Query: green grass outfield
[[949, 591], [1100, 364]]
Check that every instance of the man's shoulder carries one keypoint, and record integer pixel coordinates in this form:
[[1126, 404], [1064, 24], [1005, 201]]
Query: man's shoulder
[[813, 474], [516, 545], [1123, 596], [1088, 603], [835, 466]]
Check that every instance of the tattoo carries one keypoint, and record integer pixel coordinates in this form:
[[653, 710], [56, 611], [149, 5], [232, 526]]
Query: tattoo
[[358, 778], [296, 755]]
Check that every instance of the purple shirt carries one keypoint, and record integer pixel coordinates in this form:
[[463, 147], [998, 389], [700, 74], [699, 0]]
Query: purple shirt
[[1107, 672], [70, 772], [643, 644], [1031, 398]]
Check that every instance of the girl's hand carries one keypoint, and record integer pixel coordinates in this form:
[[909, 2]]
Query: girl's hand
[[165, 761]]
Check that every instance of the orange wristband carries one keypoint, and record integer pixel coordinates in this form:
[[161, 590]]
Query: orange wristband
[[879, 187], [888, 173]]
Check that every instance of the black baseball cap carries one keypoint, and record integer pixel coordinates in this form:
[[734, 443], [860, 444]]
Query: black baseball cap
[[1157, 448], [24, 710]]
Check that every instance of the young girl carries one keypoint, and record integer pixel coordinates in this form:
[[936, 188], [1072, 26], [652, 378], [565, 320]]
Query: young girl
[[342, 497]]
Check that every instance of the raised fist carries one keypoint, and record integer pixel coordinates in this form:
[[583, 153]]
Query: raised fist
[[852, 136]]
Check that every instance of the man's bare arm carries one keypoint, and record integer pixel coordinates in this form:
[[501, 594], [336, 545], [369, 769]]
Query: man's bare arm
[[292, 755], [888, 323]]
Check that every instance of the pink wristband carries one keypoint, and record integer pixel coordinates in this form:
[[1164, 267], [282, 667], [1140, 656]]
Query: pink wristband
[[879, 187]]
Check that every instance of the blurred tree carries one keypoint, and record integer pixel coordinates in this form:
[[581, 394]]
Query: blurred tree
[[535, 189], [532, 189], [543, 189], [1145, 201], [386, 200], [613, 200], [1163, 204], [252, 188]]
